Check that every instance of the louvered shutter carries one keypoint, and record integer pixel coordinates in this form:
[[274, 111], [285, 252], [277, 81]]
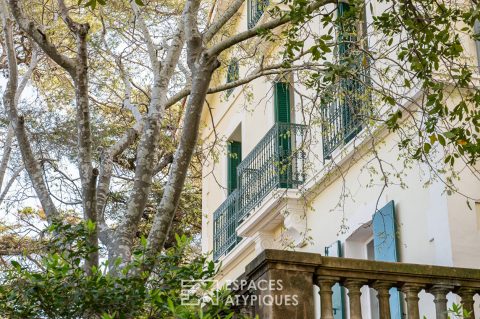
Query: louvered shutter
[[234, 158], [385, 247], [282, 102], [338, 301], [282, 116]]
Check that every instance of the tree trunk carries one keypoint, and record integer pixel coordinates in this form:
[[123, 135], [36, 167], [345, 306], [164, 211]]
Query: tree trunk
[[183, 155]]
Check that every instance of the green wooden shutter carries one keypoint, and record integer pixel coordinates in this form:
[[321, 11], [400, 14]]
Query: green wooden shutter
[[343, 37], [338, 300], [385, 247], [282, 102], [282, 117], [234, 158]]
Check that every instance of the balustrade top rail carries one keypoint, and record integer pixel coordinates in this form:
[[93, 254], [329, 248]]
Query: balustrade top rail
[[398, 273]]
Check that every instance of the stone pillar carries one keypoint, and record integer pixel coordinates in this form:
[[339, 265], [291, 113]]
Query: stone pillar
[[411, 296], [439, 293], [283, 284], [354, 295], [326, 306], [383, 296], [467, 301]]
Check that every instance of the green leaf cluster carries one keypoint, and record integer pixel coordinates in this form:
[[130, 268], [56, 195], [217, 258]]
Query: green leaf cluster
[[57, 286]]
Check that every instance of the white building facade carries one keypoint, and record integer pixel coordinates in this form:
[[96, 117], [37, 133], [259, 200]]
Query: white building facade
[[278, 180]]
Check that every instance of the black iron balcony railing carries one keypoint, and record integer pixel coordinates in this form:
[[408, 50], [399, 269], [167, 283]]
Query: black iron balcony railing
[[277, 161], [224, 225], [344, 111], [341, 118]]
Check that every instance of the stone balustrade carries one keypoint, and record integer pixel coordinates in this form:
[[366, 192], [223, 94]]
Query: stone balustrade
[[299, 272]]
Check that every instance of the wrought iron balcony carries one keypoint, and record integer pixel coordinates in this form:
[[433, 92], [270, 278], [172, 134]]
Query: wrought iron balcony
[[224, 225], [277, 161], [345, 105], [341, 118]]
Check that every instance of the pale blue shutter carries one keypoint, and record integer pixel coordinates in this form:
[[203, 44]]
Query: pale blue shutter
[[335, 250], [385, 247]]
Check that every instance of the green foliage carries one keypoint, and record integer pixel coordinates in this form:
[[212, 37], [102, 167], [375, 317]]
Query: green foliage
[[433, 45], [457, 311], [57, 286], [425, 39]]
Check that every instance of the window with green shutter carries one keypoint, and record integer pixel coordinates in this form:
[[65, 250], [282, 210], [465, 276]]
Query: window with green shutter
[[282, 102], [255, 9], [234, 158], [283, 115], [232, 73]]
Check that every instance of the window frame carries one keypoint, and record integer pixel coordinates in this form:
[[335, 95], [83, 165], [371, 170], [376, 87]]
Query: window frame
[[255, 10], [233, 74]]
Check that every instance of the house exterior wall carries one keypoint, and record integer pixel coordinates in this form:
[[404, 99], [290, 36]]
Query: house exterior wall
[[338, 202]]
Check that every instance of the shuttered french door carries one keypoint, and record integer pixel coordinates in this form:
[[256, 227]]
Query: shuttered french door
[[234, 158], [385, 247], [338, 302], [282, 115]]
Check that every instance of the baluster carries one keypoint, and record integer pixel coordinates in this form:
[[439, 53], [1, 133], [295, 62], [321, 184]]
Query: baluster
[[383, 296], [439, 293], [354, 295], [326, 305], [467, 301], [411, 296]]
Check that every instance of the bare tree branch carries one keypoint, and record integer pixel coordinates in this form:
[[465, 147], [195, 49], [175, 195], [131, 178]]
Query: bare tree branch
[[9, 98], [146, 151], [7, 150], [255, 31], [222, 20], [34, 31], [12, 179]]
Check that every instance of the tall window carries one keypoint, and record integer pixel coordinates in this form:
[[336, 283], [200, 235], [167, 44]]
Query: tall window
[[255, 11], [234, 158], [281, 91], [342, 114], [232, 73]]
